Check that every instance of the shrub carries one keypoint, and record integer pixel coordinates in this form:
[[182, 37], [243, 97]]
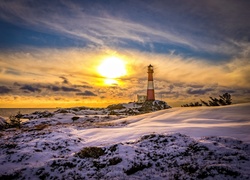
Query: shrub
[[11, 145], [40, 127], [192, 104], [112, 112], [224, 100], [47, 114], [62, 111], [15, 121], [115, 106], [75, 118], [113, 148], [137, 167], [212, 170], [115, 160], [92, 152], [14, 175]]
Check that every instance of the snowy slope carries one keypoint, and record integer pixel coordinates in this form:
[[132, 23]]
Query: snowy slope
[[188, 143], [231, 121]]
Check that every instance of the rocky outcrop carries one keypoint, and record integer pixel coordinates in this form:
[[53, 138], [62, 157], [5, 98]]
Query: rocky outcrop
[[3, 123], [156, 105], [136, 108]]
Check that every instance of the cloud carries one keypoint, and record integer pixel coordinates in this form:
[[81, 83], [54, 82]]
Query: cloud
[[30, 88], [54, 88], [227, 91], [62, 88], [159, 25], [12, 71], [170, 69], [84, 86], [86, 93], [69, 89], [177, 78], [199, 91], [65, 80], [4, 90]]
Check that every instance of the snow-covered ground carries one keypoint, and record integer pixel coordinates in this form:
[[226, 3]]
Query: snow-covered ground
[[177, 143]]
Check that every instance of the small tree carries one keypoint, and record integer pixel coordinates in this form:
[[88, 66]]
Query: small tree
[[224, 100], [205, 103], [15, 121], [214, 102], [192, 104], [75, 118]]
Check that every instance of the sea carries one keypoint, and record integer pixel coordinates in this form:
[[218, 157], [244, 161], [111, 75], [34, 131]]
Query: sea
[[7, 112]]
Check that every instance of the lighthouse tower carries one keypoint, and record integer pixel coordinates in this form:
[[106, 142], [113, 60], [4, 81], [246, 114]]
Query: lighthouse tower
[[150, 90]]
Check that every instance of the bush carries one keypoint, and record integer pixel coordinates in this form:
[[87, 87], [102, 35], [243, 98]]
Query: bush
[[115, 160], [115, 106], [15, 121], [62, 111], [137, 167], [192, 104], [224, 100], [40, 127], [92, 152], [112, 112], [75, 118]]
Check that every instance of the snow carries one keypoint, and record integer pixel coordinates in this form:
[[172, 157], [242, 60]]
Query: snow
[[186, 142], [131, 105]]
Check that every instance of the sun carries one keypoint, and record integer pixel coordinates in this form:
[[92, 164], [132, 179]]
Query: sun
[[112, 67]]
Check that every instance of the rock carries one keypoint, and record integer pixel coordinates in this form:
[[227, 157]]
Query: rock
[[156, 105], [3, 123], [115, 107]]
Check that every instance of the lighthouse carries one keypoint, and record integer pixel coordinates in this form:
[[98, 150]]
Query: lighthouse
[[150, 90]]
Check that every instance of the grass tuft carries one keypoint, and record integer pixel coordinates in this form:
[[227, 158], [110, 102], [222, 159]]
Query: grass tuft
[[91, 152]]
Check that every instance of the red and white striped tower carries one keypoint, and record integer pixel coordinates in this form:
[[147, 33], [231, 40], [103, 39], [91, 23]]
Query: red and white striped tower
[[150, 90]]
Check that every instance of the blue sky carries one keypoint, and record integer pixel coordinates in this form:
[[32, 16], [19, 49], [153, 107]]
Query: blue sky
[[189, 28], [213, 35]]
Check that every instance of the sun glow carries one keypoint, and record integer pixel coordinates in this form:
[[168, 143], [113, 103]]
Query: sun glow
[[112, 67], [111, 81]]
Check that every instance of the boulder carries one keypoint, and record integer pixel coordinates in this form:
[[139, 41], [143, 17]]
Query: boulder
[[3, 123]]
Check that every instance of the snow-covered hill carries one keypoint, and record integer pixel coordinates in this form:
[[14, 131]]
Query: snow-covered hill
[[177, 143]]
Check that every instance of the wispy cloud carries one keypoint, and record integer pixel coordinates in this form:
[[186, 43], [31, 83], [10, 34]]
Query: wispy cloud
[[86, 93], [96, 29], [71, 66], [190, 25], [65, 80], [29, 88], [199, 91]]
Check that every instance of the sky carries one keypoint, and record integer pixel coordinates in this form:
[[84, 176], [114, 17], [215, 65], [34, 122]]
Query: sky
[[50, 51]]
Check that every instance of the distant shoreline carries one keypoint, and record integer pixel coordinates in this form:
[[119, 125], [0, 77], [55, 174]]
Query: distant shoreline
[[6, 112]]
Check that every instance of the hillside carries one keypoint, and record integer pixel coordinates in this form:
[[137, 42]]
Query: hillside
[[184, 143]]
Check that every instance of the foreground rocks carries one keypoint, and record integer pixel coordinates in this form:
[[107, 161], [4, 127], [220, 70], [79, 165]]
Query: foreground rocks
[[153, 156]]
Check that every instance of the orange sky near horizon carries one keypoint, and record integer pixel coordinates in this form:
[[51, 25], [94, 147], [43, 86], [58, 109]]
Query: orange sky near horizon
[[70, 77]]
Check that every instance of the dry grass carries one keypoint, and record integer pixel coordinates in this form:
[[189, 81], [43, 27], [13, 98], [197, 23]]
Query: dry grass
[[92, 152], [40, 127]]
